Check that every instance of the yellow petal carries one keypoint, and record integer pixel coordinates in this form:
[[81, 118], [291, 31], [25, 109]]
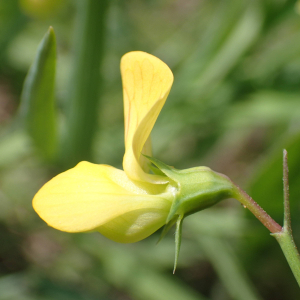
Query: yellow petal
[[146, 84], [99, 197]]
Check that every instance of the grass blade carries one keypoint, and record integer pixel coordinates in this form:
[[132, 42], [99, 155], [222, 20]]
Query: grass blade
[[37, 99]]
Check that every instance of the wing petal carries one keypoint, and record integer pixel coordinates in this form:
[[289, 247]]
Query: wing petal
[[90, 196]]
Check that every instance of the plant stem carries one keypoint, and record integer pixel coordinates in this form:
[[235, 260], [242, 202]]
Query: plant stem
[[258, 212], [84, 91], [283, 234], [289, 249], [285, 237], [286, 193]]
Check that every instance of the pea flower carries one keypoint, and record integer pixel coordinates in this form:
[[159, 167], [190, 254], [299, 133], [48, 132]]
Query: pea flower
[[127, 206]]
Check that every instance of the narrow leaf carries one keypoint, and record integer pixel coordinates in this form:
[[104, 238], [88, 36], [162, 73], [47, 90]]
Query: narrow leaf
[[37, 99]]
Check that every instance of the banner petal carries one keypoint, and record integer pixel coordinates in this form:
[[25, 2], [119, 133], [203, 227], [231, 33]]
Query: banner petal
[[146, 85]]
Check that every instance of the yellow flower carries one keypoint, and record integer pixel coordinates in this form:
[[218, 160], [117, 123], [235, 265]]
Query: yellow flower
[[125, 206]]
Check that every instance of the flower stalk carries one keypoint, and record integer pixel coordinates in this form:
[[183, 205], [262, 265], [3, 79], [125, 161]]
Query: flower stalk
[[255, 208], [283, 235]]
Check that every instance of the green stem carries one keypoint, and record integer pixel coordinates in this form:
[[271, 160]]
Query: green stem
[[86, 79], [283, 234], [286, 193], [285, 237], [287, 244]]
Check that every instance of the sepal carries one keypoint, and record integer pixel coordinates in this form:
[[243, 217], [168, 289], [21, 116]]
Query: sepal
[[195, 189], [166, 229], [178, 232]]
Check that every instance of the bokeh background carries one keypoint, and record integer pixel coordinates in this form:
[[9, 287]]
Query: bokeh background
[[234, 106]]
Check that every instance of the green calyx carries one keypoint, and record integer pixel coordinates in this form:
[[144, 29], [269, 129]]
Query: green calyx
[[195, 189]]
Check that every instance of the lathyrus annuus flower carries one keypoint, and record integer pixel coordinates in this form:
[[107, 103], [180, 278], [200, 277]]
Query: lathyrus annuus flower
[[127, 206]]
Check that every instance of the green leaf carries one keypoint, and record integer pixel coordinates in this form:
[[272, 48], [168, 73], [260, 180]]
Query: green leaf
[[37, 100], [86, 83]]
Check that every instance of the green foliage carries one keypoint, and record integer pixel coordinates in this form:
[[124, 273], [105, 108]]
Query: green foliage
[[37, 99], [84, 90]]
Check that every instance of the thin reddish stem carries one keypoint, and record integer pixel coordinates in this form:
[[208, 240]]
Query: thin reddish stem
[[258, 212]]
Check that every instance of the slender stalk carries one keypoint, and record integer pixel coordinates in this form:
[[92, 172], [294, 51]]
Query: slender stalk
[[286, 193], [86, 79], [258, 212], [283, 234], [285, 237]]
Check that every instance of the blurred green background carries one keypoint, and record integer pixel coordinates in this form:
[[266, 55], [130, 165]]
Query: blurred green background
[[234, 106]]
